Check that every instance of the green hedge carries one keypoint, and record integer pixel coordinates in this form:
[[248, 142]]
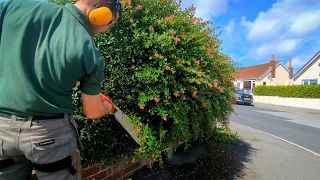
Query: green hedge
[[294, 91], [165, 70]]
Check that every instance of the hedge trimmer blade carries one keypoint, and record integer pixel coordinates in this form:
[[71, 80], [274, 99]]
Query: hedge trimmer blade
[[125, 122]]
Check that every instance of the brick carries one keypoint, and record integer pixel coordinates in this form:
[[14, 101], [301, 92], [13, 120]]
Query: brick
[[101, 175], [92, 170], [113, 177], [85, 165]]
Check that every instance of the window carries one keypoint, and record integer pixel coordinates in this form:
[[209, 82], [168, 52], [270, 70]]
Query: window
[[264, 83], [309, 81]]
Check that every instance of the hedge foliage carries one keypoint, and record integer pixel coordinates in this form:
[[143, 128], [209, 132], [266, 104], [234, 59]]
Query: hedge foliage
[[294, 91], [165, 70]]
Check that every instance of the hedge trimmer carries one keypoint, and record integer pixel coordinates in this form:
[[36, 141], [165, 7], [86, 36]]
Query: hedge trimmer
[[123, 119]]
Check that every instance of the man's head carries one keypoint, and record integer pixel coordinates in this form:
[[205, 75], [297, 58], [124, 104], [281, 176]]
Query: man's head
[[101, 13]]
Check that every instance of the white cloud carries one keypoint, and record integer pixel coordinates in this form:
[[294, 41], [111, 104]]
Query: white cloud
[[279, 48], [208, 8], [297, 62], [281, 29], [306, 23], [287, 46], [230, 27]]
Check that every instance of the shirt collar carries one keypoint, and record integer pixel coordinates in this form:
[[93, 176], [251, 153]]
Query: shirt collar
[[79, 16]]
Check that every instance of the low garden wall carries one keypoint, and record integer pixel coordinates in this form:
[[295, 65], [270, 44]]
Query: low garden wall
[[99, 171], [300, 96], [292, 102]]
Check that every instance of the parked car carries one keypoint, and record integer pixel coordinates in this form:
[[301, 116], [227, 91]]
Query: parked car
[[243, 97]]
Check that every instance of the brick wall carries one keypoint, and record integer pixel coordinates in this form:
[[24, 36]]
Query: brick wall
[[119, 171]]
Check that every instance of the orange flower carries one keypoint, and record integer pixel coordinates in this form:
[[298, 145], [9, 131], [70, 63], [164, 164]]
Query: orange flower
[[156, 99], [149, 166], [199, 74], [197, 62], [170, 18], [184, 98], [140, 124], [189, 63], [216, 83], [182, 91], [204, 105], [176, 94], [173, 32], [151, 29], [199, 82], [221, 90], [195, 93], [168, 68], [157, 55], [139, 7], [147, 12], [194, 9], [178, 61], [169, 97], [153, 155], [138, 131], [133, 161], [141, 106], [147, 75], [210, 85], [131, 20], [164, 118], [177, 40]]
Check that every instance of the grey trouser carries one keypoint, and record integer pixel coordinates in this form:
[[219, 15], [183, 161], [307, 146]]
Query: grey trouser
[[29, 141]]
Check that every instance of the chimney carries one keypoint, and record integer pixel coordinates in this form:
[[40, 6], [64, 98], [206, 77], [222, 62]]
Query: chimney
[[290, 69], [273, 66]]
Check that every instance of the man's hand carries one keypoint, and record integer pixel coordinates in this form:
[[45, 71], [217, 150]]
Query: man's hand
[[94, 107], [106, 99]]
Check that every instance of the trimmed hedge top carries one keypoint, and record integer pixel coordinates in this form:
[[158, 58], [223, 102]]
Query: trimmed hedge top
[[294, 91]]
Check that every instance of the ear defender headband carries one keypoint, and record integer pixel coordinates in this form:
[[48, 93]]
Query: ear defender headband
[[105, 13]]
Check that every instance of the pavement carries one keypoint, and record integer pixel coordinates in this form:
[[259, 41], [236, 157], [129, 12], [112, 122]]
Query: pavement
[[272, 159], [255, 155], [300, 126]]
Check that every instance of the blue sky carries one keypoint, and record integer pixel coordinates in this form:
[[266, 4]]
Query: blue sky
[[253, 30]]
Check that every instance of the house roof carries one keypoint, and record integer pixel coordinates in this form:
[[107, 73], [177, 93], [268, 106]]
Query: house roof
[[254, 72], [307, 65]]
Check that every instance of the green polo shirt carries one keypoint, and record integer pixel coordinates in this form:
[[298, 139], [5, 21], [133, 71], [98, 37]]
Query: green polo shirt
[[44, 50]]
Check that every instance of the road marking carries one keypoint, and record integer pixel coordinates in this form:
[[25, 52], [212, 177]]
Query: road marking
[[287, 110], [289, 142]]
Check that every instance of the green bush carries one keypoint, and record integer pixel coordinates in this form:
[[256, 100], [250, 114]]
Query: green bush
[[294, 91], [165, 70]]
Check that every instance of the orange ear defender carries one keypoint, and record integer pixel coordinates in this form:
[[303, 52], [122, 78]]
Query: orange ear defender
[[100, 16], [103, 14]]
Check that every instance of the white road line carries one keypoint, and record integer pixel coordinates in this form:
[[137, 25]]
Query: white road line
[[289, 142]]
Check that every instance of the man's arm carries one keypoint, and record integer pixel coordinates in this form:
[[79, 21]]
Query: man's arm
[[89, 103], [90, 85]]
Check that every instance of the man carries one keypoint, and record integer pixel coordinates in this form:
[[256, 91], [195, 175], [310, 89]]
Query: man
[[45, 49]]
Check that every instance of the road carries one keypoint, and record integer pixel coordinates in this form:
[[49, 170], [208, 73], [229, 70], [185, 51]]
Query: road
[[301, 129]]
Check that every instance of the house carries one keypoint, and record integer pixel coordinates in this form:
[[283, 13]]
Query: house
[[310, 72], [271, 73]]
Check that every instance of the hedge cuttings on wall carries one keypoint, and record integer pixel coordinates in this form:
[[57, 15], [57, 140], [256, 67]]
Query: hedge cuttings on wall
[[294, 91], [165, 70]]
